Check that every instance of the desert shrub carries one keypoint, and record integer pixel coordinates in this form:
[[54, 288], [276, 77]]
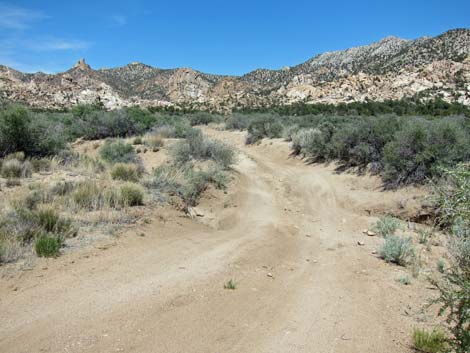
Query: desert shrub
[[204, 118], [221, 153], [19, 156], [20, 223], [12, 182], [195, 184], [198, 147], [47, 246], [434, 341], [181, 152], [386, 225], [15, 132], [421, 147], [165, 131], [51, 222], [131, 195], [118, 152], [41, 164], [264, 126], [310, 142], [289, 132], [88, 195], [62, 188], [11, 249], [238, 121], [397, 250], [12, 169], [154, 142], [126, 172], [165, 178], [452, 196]]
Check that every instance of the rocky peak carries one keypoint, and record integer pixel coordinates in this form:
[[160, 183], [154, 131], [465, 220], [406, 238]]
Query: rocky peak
[[81, 64]]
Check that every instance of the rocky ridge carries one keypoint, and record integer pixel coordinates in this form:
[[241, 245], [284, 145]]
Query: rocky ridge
[[391, 68]]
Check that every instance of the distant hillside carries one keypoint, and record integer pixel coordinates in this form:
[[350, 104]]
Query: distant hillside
[[391, 68]]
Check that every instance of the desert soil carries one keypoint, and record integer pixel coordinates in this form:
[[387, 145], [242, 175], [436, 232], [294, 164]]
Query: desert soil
[[288, 235]]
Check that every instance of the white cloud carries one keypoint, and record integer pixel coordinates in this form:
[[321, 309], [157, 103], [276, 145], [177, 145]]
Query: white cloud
[[119, 20], [56, 44], [14, 17]]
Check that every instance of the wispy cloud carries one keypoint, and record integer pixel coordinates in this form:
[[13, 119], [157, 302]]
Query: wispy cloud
[[119, 20], [14, 17], [56, 44]]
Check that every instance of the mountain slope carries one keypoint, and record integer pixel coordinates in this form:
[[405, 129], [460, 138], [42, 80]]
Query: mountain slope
[[391, 68]]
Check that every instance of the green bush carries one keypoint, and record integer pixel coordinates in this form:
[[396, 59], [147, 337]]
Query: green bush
[[386, 226], [126, 172], [397, 250], [47, 246], [420, 147], [131, 195], [430, 342], [118, 152]]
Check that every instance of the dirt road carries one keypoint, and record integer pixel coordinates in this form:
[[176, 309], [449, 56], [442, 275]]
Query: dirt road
[[288, 239]]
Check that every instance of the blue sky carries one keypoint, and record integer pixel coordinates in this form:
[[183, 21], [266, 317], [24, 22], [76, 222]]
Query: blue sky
[[225, 37]]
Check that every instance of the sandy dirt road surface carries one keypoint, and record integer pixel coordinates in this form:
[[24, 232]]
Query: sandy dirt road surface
[[288, 239]]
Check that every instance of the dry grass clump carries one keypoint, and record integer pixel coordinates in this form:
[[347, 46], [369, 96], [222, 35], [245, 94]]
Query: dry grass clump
[[126, 172], [154, 142], [13, 168]]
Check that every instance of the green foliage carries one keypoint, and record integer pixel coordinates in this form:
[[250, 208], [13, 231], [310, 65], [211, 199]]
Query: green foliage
[[126, 172], [434, 341], [440, 265], [231, 284], [20, 131], [386, 226], [47, 246], [116, 151], [131, 195], [420, 147], [397, 250]]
